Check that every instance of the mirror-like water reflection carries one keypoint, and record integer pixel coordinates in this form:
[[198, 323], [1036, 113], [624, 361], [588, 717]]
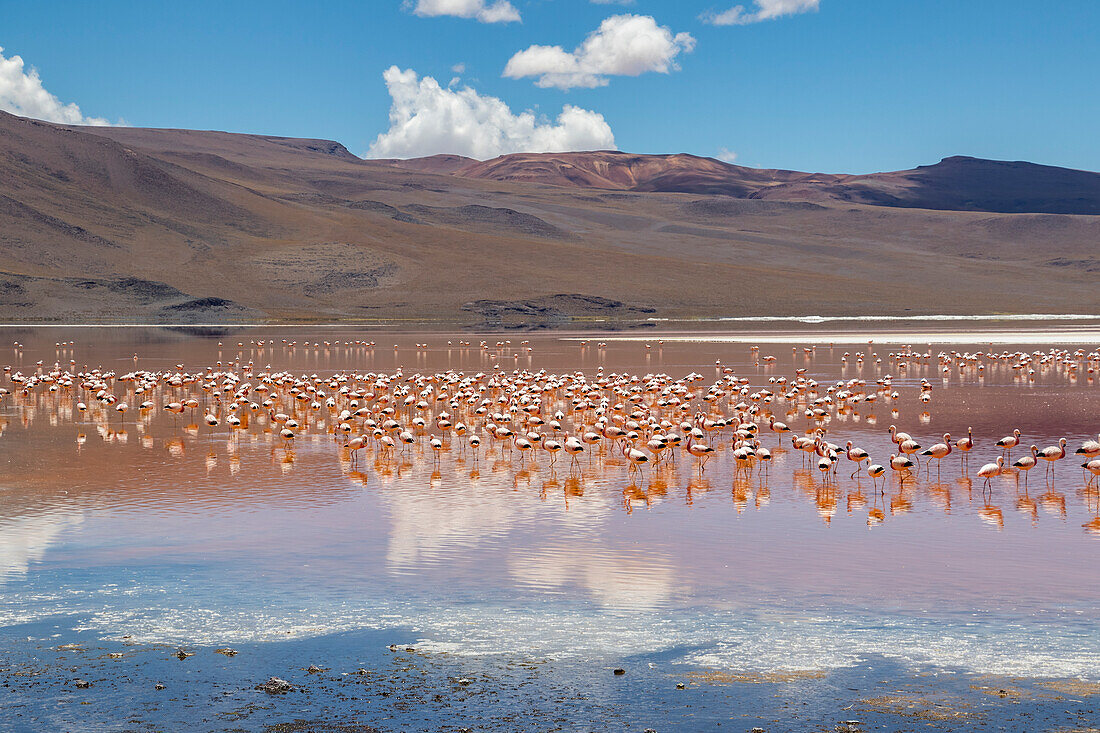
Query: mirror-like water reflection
[[179, 525]]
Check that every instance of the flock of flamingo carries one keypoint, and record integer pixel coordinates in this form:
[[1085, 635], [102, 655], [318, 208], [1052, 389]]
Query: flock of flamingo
[[644, 420]]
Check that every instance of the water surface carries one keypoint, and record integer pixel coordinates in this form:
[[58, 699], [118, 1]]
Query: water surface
[[163, 530]]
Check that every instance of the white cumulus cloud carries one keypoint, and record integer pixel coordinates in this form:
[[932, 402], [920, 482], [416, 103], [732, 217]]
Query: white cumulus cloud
[[623, 45], [764, 10], [501, 11], [22, 93], [726, 155], [426, 119]]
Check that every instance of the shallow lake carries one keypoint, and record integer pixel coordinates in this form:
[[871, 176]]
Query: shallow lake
[[153, 527]]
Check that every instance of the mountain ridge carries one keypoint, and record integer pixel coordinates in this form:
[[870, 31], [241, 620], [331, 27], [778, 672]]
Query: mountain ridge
[[123, 225], [955, 183]]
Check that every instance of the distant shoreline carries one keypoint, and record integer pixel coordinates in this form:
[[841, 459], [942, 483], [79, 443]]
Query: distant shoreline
[[1034, 329], [393, 322]]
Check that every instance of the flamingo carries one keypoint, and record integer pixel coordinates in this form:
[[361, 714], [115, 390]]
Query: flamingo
[[591, 437], [909, 447], [656, 446], [701, 452], [613, 432], [639, 413], [523, 444], [964, 446], [552, 447], [939, 451], [1026, 463], [573, 447], [806, 445], [1007, 443], [825, 449], [1092, 467], [902, 463], [778, 428], [355, 445], [875, 471], [743, 457], [635, 456], [990, 470], [1053, 453], [1090, 448], [856, 456], [765, 457], [897, 437]]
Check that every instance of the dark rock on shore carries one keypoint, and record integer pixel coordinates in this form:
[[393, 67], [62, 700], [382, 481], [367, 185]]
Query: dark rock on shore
[[275, 686]]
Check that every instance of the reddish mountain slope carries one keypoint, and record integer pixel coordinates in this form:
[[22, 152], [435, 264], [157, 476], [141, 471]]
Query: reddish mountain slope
[[954, 184], [630, 172]]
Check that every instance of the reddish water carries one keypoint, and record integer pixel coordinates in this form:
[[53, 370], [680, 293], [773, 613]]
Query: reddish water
[[168, 529]]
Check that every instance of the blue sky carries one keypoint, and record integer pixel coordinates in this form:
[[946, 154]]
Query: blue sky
[[848, 86]]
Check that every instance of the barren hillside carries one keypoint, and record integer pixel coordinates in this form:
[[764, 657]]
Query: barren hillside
[[137, 225]]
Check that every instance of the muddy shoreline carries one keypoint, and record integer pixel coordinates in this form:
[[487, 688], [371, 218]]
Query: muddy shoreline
[[53, 677]]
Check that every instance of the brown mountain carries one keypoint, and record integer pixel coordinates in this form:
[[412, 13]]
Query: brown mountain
[[680, 173], [430, 164], [971, 184], [179, 226], [955, 184]]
